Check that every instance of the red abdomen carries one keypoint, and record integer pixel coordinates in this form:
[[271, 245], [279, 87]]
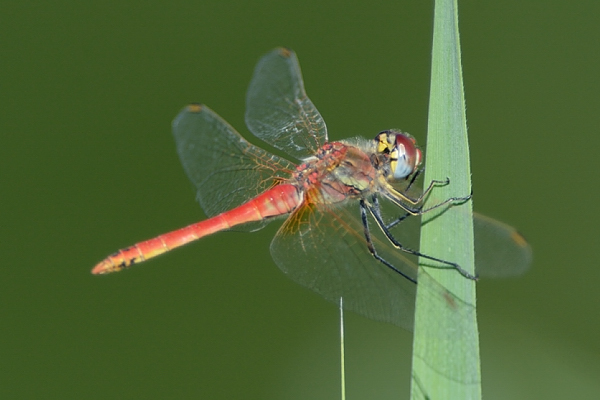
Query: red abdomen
[[280, 200]]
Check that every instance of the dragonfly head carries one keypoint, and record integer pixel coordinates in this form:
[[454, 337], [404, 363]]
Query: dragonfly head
[[401, 152]]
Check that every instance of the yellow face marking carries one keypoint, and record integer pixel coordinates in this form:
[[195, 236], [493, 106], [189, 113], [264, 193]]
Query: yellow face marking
[[394, 158], [384, 145]]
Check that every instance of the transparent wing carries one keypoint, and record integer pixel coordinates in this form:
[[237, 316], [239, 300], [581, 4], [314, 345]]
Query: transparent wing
[[226, 170], [325, 251], [500, 250], [278, 110], [453, 330]]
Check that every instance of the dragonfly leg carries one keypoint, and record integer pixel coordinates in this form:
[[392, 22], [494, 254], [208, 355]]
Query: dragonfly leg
[[419, 199], [397, 220], [377, 216], [375, 203], [412, 181], [365, 222], [453, 200], [414, 178], [397, 198]]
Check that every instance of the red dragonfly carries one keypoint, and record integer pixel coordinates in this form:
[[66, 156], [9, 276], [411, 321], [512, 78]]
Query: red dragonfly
[[332, 198]]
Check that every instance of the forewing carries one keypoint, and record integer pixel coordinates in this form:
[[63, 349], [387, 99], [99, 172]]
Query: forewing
[[325, 250], [500, 250], [278, 110], [226, 169]]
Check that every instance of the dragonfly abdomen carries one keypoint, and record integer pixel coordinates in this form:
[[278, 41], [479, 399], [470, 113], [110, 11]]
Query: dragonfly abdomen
[[280, 200]]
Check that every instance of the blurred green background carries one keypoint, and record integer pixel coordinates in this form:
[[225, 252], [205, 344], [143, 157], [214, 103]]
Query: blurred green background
[[88, 165]]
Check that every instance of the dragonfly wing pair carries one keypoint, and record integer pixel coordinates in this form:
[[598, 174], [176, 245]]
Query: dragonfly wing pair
[[322, 247], [226, 169], [278, 110]]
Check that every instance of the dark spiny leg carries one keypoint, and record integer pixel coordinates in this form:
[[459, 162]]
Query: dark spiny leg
[[420, 210], [414, 178], [363, 214], [399, 246], [377, 208]]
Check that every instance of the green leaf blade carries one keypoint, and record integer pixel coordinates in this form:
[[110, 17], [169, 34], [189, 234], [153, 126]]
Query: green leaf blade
[[446, 345]]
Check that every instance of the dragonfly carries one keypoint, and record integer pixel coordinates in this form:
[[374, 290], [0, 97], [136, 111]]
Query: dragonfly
[[352, 206]]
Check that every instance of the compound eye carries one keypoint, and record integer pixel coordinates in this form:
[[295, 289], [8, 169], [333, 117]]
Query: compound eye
[[405, 157]]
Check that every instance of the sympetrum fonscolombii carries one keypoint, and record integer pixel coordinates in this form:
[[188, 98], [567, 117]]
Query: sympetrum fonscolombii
[[331, 199]]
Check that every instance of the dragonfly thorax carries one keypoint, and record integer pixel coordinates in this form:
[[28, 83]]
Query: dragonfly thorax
[[338, 172]]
